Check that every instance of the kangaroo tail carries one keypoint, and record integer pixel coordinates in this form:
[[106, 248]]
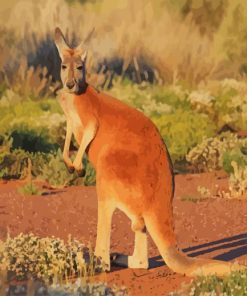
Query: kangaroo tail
[[161, 230]]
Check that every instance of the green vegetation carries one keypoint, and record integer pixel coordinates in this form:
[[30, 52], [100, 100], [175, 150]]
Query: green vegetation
[[54, 263], [39, 138], [78, 288], [188, 119], [233, 285], [183, 134], [217, 152], [29, 189], [235, 155], [28, 256], [95, 289]]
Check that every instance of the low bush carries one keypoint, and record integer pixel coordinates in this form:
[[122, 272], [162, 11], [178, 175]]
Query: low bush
[[230, 108], [80, 287], [29, 189], [32, 140], [183, 130], [13, 163], [209, 154], [238, 180], [37, 137], [151, 99], [235, 155], [187, 120], [87, 289], [47, 166], [225, 101], [233, 285], [48, 259], [55, 172], [32, 121]]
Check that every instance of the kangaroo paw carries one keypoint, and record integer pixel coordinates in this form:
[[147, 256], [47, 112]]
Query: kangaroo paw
[[135, 262], [103, 261], [70, 169], [81, 173]]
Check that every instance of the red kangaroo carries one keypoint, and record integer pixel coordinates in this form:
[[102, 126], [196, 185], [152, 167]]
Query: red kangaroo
[[134, 171]]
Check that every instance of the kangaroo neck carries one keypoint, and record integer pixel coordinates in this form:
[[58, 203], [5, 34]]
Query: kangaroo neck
[[83, 89], [89, 93]]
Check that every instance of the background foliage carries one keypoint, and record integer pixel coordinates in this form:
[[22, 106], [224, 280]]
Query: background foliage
[[182, 63]]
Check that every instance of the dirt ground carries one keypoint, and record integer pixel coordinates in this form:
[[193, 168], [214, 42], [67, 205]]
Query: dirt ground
[[212, 228]]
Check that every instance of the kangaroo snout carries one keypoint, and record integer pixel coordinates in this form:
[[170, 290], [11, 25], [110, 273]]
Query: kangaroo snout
[[70, 84]]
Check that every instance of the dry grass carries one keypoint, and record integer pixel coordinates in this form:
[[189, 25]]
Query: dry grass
[[148, 37]]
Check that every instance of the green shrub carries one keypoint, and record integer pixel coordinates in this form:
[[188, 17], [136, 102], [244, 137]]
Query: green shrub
[[55, 172], [224, 101], [230, 106], [32, 140], [233, 285], [47, 166], [208, 154], [238, 180], [13, 163], [235, 155], [29, 189], [87, 289], [184, 117], [151, 99], [23, 117], [174, 95], [80, 287], [48, 258], [182, 130]]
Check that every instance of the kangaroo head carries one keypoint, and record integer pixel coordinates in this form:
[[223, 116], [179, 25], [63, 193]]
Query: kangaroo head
[[73, 70]]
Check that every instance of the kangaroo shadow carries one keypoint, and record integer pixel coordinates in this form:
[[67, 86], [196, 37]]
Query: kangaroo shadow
[[48, 193], [236, 246], [231, 247]]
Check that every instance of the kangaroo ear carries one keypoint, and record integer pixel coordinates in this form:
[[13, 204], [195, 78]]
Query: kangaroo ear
[[60, 41], [84, 56], [81, 46]]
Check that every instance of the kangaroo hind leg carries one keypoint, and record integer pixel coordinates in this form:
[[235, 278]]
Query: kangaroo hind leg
[[102, 249], [139, 259]]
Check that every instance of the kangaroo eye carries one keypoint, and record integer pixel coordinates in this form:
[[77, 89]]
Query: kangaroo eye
[[64, 67], [79, 67]]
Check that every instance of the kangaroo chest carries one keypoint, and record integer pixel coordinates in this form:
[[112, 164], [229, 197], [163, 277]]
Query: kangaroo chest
[[72, 116]]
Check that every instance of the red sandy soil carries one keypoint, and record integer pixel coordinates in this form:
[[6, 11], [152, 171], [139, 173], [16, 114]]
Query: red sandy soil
[[218, 223]]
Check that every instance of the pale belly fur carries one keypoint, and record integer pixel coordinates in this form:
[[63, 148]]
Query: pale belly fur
[[72, 116]]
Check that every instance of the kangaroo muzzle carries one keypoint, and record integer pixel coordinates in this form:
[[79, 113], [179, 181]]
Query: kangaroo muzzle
[[70, 84]]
